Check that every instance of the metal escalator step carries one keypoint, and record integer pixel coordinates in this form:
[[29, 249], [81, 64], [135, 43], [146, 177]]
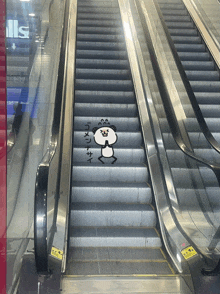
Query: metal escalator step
[[192, 125], [98, 30], [177, 159], [179, 6], [190, 47], [179, 24], [114, 253], [191, 178], [186, 40], [104, 74], [198, 75], [196, 56], [114, 237], [104, 96], [119, 268], [112, 192], [125, 139], [98, 9], [213, 124], [85, 45], [197, 140], [122, 124], [198, 65], [104, 172], [99, 16], [127, 156], [211, 97], [94, 23], [205, 86], [98, 109], [188, 198], [101, 63], [167, 11], [100, 37], [112, 215], [101, 54], [98, 4], [177, 18], [103, 85], [183, 32]]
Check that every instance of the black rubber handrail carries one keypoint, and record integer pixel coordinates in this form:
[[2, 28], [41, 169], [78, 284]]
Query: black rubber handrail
[[171, 117], [188, 87], [40, 205]]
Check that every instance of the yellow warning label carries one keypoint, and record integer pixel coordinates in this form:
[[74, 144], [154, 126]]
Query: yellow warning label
[[188, 252], [56, 253]]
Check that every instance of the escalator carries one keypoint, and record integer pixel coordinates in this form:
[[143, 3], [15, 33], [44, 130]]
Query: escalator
[[199, 183], [199, 66], [113, 222], [114, 235]]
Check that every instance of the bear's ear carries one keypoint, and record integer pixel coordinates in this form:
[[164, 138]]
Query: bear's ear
[[94, 130], [113, 128]]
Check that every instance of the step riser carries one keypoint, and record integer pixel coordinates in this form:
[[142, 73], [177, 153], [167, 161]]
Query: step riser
[[101, 54], [113, 218], [96, 109], [92, 45], [104, 97], [116, 174], [103, 74], [122, 124], [101, 64], [114, 242], [101, 85], [124, 156], [124, 140], [112, 195]]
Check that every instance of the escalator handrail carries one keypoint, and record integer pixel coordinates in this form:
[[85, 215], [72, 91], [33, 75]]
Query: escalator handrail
[[170, 113], [175, 131], [40, 205], [197, 111]]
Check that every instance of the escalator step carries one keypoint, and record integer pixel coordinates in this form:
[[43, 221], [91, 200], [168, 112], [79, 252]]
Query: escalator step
[[98, 30], [104, 74], [97, 23], [127, 156], [111, 192], [103, 85], [114, 237], [122, 124], [104, 96], [85, 45], [112, 215], [101, 54], [102, 63], [95, 109], [125, 139], [120, 173]]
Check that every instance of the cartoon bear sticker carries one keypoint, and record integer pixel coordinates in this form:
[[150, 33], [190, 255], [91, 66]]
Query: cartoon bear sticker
[[106, 137]]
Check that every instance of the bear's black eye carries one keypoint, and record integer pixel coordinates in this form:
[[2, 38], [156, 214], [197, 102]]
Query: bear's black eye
[[107, 130], [100, 131]]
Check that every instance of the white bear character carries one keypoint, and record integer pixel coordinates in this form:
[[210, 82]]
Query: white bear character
[[106, 137]]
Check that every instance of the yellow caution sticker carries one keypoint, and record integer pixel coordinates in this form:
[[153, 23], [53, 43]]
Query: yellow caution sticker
[[57, 253], [188, 252]]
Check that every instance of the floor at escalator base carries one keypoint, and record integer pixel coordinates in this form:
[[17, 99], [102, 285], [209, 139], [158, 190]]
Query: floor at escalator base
[[142, 284]]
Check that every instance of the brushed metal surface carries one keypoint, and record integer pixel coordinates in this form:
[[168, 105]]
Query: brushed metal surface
[[112, 285]]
